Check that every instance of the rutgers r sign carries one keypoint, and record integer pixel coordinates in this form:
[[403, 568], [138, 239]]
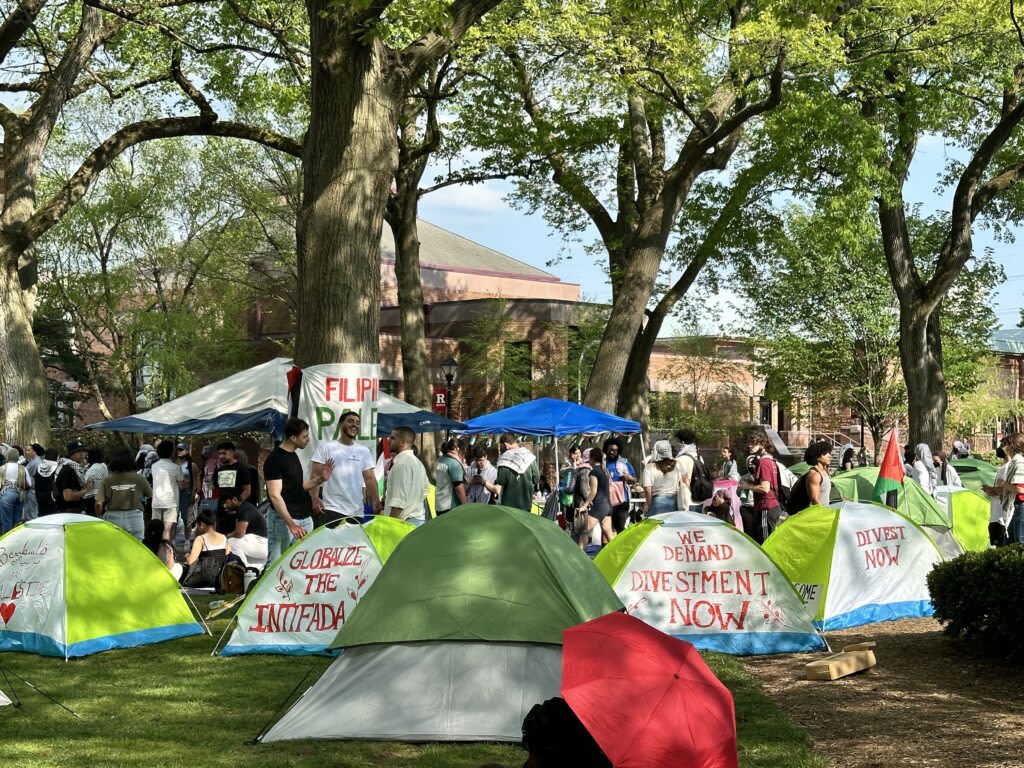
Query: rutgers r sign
[[440, 400]]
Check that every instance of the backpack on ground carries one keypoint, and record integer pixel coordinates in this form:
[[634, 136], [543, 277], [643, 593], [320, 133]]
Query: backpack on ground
[[702, 485]]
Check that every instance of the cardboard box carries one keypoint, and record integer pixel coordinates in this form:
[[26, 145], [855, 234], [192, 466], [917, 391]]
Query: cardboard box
[[840, 665]]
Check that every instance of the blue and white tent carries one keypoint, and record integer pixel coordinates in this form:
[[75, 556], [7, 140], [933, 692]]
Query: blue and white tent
[[257, 399]]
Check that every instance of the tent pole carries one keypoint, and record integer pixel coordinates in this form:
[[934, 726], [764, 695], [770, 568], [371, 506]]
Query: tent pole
[[230, 624], [196, 611]]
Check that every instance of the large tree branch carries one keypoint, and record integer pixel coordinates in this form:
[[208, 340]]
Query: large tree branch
[[563, 173], [463, 14], [957, 247], [48, 214], [16, 24]]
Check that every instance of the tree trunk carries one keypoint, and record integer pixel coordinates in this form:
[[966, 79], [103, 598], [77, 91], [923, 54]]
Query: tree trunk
[[349, 160], [415, 371], [624, 323], [22, 378], [921, 355]]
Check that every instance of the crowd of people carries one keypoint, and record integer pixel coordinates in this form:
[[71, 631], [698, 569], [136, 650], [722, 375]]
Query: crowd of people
[[213, 503]]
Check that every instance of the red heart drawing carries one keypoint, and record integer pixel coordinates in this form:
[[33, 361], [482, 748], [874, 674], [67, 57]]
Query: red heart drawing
[[6, 611]]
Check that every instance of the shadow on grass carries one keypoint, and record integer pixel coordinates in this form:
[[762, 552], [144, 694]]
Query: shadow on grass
[[173, 705]]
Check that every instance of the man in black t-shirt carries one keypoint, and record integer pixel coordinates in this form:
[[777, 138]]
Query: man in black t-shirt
[[248, 539], [69, 486], [289, 492], [231, 480]]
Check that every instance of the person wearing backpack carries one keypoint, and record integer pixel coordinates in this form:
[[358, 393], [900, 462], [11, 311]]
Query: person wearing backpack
[[697, 485], [622, 477], [815, 487], [15, 484], [768, 510]]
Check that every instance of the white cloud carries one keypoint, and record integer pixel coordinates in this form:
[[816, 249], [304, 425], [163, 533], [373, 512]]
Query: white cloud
[[479, 199]]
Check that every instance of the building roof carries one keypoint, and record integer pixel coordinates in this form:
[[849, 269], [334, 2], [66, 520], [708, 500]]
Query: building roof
[[1008, 340], [441, 249]]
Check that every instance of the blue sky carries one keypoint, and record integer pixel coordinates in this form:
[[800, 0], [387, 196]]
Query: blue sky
[[482, 213]]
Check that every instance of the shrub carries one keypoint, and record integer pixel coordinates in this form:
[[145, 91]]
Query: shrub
[[977, 596]]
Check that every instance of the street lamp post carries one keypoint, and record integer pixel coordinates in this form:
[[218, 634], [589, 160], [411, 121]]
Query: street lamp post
[[449, 367]]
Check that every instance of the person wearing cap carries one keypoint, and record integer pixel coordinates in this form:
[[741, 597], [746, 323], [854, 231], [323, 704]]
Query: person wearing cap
[[71, 487], [662, 480], [14, 483]]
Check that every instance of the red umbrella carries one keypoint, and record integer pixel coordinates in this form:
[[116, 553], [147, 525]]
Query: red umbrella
[[648, 699]]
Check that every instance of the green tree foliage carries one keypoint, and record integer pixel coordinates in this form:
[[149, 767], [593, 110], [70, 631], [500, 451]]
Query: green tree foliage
[[825, 319], [155, 69], [912, 72], [632, 111], [150, 280]]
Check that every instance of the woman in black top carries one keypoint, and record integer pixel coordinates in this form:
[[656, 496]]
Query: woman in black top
[[598, 505]]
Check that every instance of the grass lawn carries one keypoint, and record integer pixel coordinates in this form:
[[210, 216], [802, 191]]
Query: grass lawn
[[173, 704]]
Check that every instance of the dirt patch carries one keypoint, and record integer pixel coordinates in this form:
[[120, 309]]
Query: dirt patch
[[926, 703]]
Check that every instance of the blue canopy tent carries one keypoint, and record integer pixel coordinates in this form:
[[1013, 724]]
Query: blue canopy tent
[[547, 417], [257, 399]]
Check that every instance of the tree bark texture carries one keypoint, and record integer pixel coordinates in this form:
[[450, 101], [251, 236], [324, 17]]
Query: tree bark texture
[[921, 355], [348, 162], [22, 378], [625, 322]]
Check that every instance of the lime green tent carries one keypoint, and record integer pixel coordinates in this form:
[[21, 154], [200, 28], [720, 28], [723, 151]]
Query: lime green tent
[[800, 468], [74, 585], [459, 636], [856, 563], [969, 513], [699, 579], [975, 473]]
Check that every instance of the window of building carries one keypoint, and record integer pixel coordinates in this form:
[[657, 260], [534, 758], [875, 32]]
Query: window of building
[[389, 387]]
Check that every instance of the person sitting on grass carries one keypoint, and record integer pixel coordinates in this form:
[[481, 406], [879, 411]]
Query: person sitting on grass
[[161, 547], [209, 553]]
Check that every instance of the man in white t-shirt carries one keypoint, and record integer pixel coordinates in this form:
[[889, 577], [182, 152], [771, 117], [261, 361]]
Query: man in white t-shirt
[[353, 472], [167, 480]]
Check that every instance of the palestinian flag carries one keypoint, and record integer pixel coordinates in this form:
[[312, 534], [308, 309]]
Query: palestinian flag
[[890, 474]]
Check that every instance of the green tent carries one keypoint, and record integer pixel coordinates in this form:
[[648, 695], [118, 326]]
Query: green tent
[[856, 563], [800, 468], [975, 473], [854, 484], [481, 572], [459, 636]]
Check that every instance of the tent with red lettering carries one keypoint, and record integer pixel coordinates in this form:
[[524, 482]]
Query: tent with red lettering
[[306, 596], [700, 580], [856, 563], [459, 636]]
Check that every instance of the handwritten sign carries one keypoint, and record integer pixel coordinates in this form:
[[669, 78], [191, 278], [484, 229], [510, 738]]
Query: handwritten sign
[[308, 594], [707, 579], [32, 583]]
